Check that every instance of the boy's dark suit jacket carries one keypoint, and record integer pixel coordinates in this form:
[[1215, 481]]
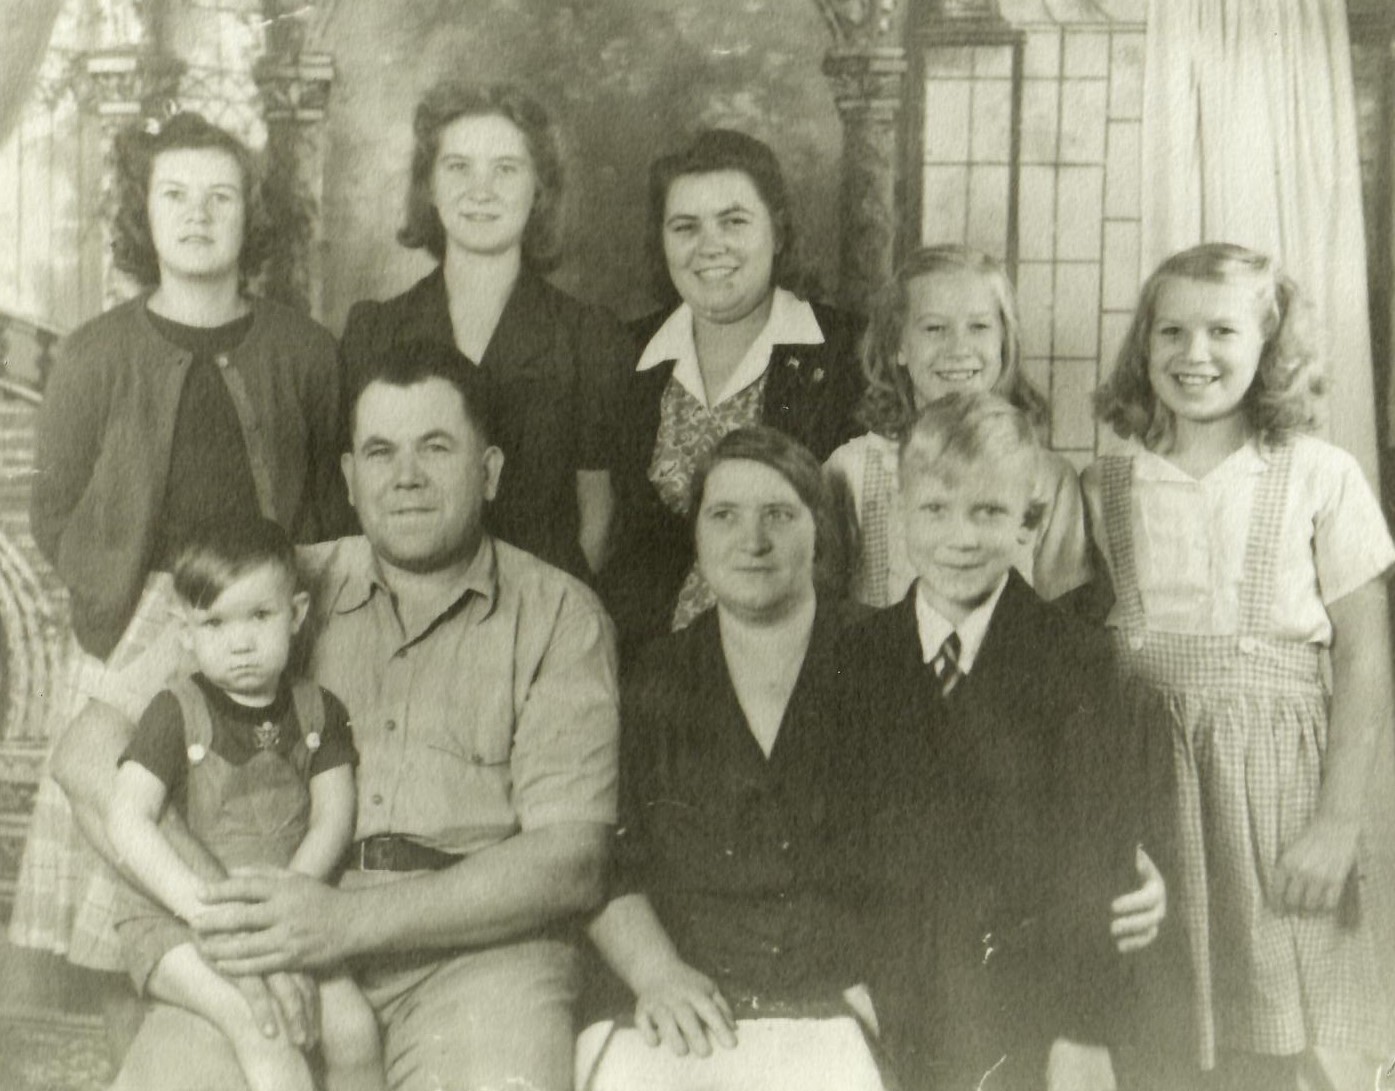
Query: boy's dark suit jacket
[[1001, 827]]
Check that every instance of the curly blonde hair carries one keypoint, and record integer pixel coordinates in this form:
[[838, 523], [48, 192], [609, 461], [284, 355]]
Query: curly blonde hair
[[1288, 382], [888, 401]]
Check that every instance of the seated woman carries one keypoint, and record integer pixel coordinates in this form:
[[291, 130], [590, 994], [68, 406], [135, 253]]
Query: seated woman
[[486, 185], [735, 914], [740, 349]]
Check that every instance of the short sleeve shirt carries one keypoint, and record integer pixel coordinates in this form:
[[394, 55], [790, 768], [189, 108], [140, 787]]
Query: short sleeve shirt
[[1190, 536], [159, 742], [501, 715]]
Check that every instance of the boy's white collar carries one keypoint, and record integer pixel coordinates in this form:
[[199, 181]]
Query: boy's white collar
[[934, 628]]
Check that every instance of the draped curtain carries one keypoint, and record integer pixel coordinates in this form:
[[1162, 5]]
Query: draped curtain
[[27, 24], [1249, 136]]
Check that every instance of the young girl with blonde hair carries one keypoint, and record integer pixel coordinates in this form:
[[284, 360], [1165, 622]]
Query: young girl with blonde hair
[[1247, 558], [945, 323]]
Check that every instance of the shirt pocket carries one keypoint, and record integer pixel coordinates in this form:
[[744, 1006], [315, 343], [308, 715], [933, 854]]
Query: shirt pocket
[[490, 748], [460, 787]]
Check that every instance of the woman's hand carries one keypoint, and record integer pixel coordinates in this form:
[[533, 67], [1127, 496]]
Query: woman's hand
[[1139, 914], [1313, 871], [682, 1008]]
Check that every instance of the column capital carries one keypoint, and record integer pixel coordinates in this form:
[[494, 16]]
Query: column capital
[[867, 79], [120, 83], [295, 88], [868, 87]]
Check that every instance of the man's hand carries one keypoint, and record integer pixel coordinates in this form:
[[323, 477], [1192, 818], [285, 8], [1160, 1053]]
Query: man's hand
[[286, 1003], [1139, 914], [1313, 871], [682, 1009], [265, 920]]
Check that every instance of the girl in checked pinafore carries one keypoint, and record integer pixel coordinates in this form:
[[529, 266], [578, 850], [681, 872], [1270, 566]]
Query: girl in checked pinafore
[[1245, 556]]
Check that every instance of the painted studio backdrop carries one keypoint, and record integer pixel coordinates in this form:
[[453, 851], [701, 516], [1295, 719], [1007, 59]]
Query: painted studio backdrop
[[1079, 139]]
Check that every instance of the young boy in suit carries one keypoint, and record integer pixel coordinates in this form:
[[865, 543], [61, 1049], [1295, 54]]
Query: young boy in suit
[[1003, 818]]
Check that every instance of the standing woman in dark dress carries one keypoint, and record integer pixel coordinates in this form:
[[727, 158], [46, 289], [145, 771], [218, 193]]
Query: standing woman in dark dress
[[486, 184], [739, 349]]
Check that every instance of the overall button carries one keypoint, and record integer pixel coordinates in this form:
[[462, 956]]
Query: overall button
[[1249, 645], [222, 359], [391, 725], [1136, 642]]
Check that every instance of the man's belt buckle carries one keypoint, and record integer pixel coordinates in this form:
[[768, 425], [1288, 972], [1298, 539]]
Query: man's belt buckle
[[374, 854], [389, 852]]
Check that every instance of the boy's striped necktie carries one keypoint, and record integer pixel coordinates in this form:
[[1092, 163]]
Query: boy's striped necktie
[[945, 665]]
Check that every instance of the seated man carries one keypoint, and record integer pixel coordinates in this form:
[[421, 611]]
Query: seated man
[[481, 684]]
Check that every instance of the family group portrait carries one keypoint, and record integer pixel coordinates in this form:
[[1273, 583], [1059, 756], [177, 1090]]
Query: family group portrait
[[697, 545]]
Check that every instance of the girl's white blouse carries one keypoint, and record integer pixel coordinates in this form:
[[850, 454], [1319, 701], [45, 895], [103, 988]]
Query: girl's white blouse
[[1190, 536]]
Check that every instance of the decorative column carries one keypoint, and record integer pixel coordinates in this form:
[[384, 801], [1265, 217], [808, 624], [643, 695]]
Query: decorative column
[[295, 85], [868, 68]]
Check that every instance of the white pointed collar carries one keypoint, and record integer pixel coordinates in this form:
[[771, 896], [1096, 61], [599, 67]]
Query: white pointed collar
[[791, 322]]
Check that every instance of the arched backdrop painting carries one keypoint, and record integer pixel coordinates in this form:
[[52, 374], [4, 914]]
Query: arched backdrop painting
[[625, 79]]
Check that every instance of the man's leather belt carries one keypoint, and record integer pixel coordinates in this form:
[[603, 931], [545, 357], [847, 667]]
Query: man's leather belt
[[389, 852]]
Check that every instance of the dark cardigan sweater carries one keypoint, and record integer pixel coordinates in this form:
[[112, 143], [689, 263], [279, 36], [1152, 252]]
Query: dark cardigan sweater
[[104, 435]]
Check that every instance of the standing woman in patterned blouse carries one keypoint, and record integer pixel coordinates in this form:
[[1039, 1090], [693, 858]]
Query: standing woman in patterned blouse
[[486, 186], [739, 349]]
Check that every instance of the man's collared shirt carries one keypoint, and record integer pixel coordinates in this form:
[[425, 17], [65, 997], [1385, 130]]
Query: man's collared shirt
[[934, 627], [500, 715]]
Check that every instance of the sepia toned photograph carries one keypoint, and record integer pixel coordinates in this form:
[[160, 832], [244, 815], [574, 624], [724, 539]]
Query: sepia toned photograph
[[697, 545]]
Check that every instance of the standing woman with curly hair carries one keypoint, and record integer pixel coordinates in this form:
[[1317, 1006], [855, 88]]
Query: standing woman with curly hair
[[191, 405], [484, 201]]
